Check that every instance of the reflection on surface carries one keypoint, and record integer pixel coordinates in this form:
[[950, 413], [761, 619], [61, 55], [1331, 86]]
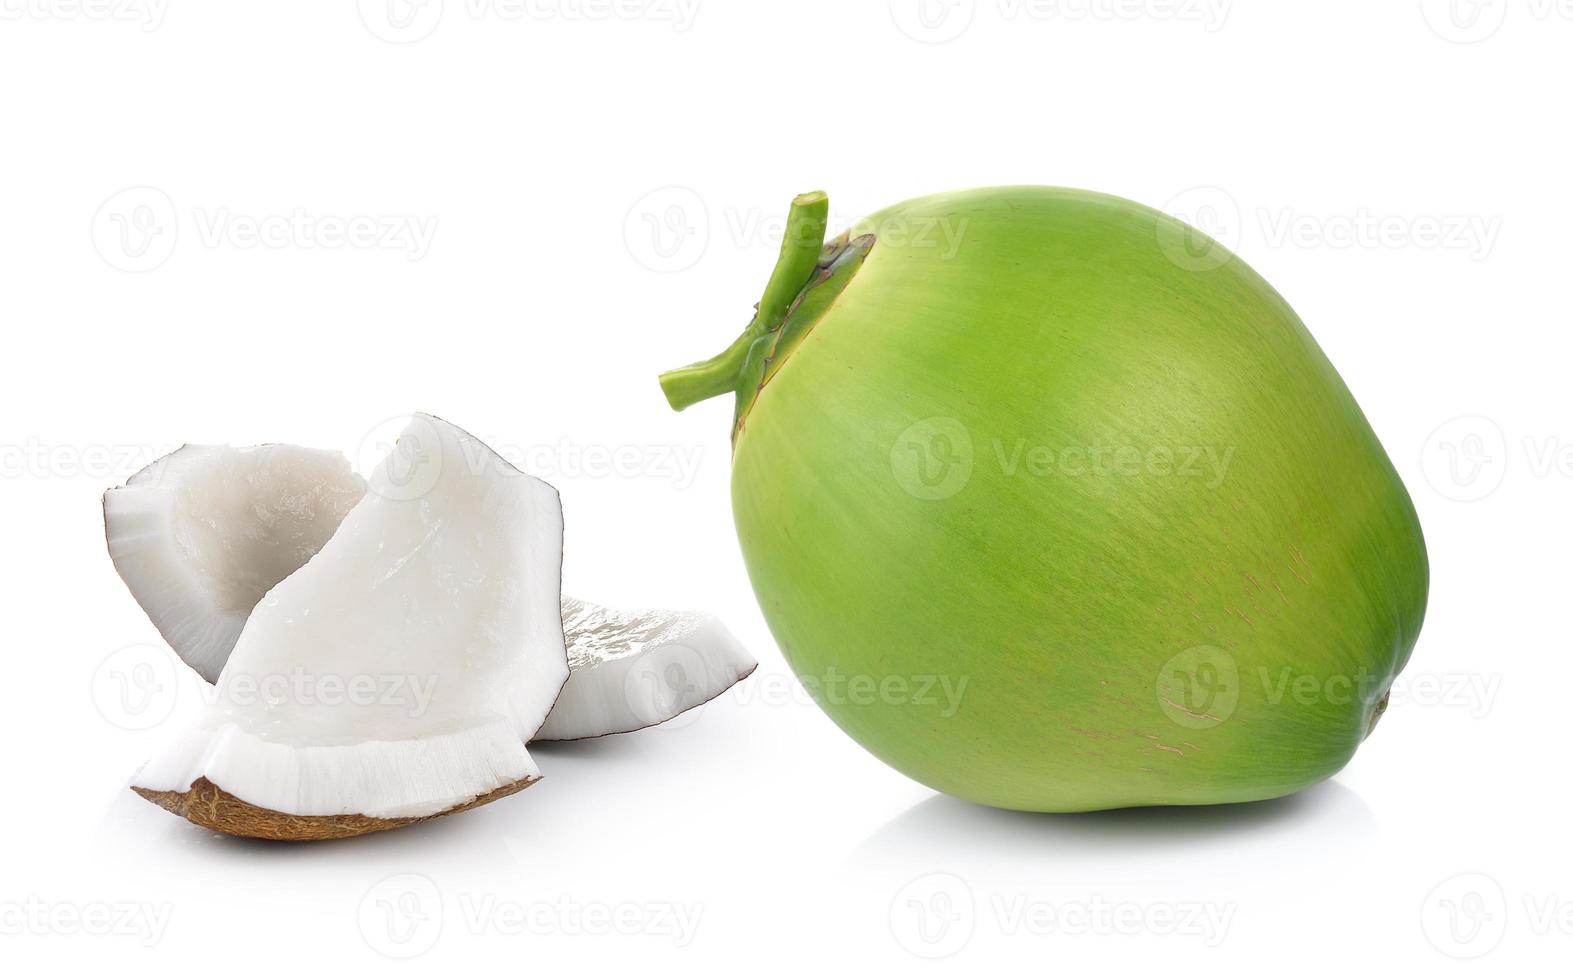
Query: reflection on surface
[[1299, 829]]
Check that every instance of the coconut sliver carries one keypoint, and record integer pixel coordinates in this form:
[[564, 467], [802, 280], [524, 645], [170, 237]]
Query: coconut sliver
[[437, 600], [632, 670], [203, 533], [200, 536]]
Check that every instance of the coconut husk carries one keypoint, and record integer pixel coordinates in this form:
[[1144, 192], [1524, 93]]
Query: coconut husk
[[208, 805]]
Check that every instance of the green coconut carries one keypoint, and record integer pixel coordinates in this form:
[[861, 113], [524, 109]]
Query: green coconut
[[1054, 504]]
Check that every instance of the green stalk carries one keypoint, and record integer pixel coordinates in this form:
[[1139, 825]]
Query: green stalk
[[800, 251], [706, 379]]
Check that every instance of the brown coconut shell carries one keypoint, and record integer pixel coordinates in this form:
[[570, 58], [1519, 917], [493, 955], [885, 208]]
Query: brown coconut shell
[[208, 805]]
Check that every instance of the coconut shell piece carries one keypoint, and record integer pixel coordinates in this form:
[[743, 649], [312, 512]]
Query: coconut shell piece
[[212, 807]]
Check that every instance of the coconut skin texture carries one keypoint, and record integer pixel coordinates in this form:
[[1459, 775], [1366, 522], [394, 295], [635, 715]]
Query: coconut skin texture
[[1056, 505]]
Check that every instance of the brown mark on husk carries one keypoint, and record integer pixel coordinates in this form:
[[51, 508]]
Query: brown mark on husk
[[1378, 712]]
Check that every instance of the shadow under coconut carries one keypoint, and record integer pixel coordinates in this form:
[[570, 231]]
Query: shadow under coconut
[[608, 748], [479, 831], [946, 825], [469, 843]]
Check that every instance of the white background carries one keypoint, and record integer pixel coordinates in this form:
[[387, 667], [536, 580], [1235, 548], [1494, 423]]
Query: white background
[[576, 197]]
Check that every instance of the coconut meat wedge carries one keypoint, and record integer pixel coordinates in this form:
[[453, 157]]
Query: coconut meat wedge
[[201, 536], [397, 675], [632, 670]]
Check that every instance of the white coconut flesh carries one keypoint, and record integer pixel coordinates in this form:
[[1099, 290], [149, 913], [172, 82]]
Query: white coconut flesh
[[202, 535], [632, 670], [399, 672]]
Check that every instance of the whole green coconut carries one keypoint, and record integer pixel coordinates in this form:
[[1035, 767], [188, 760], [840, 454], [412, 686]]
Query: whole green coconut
[[1054, 504]]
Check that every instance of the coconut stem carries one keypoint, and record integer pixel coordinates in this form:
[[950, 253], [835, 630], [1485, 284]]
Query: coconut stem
[[800, 250], [693, 384]]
